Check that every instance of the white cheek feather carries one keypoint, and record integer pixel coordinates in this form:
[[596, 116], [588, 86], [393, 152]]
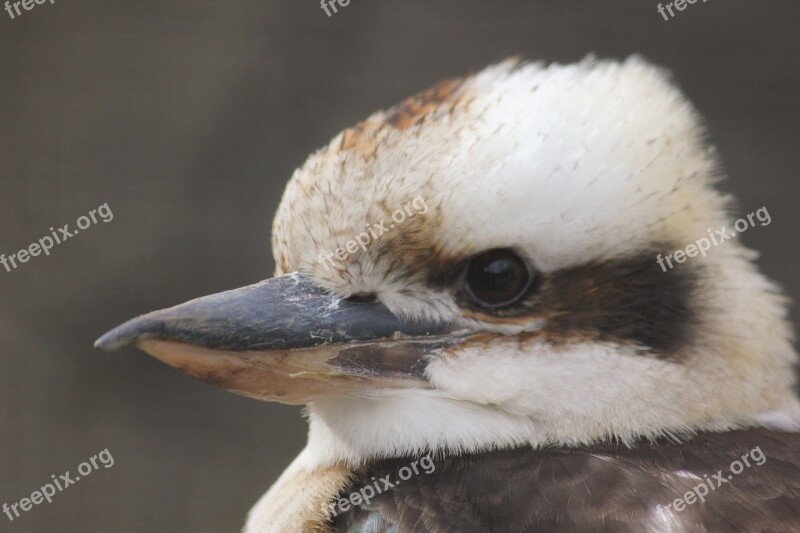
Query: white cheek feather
[[486, 399]]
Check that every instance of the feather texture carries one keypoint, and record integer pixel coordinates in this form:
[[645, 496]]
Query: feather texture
[[608, 489]]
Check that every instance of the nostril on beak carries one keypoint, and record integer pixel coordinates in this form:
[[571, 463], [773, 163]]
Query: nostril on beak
[[363, 298]]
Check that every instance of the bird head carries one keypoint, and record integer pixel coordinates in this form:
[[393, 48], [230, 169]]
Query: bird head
[[482, 266]]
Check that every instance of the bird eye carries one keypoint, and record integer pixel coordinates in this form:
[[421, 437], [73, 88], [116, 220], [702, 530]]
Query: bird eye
[[497, 278]]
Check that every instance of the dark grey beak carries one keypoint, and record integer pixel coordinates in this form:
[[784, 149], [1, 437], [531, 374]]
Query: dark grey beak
[[286, 339]]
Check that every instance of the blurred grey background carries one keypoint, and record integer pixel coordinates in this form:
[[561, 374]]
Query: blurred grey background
[[187, 117]]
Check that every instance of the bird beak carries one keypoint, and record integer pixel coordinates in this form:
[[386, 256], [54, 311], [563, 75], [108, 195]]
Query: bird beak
[[285, 339]]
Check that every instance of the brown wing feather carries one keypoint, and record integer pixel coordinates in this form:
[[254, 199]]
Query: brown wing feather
[[602, 488]]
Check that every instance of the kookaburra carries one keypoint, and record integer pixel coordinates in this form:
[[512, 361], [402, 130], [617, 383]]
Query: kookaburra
[[513, 327]]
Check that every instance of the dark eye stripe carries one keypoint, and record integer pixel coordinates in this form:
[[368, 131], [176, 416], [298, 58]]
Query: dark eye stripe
[[628, 300]]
